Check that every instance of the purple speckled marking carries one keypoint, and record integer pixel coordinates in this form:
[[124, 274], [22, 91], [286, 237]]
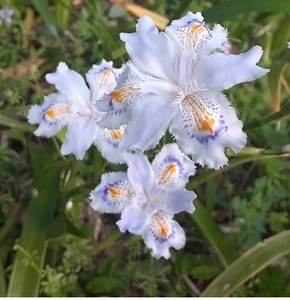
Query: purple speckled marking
[[105, 197], [162, 240], [114, 111], [190, 22], [207, 138], [114, 144]]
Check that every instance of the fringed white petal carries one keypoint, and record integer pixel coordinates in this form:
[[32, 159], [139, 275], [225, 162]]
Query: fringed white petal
[[107, 141], [172, 168], [102, 79], [52, 115], [113, 193], [163, 233], [205, 126]]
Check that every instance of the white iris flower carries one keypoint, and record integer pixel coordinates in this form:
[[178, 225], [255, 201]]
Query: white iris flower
[[174, 81], [148, 196], [74, 106]]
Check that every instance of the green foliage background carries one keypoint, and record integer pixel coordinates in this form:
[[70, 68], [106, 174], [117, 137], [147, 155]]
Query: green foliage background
[[53, 244]]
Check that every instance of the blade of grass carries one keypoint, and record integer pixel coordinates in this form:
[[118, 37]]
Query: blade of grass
[[106, 242], [110, 42], [248, 265], [211, 188], [14, 123], [271, 118], [9, 224], [275, 84], [230, 9], [63, 10], [43, 9], [214, 235], [2, 280], [31, 250]]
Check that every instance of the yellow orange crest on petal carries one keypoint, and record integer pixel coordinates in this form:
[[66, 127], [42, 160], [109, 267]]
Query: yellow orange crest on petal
[[106, 76], [168, 173], [162, 226], [123, 92], [204, 119], [195, 33], [116, 134], [119, 192], [57, 111]]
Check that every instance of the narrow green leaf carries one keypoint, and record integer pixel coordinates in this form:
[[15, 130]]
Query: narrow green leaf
[[2, 280], [57, 228], [110, 43], [31, 250], [248, 265], [230, 9], [107, 241], [281, 36], [212, 232], [42, 7], [63, 12], [271, 118], [274, 85], [72, 229], [9, 224], [14, 123]]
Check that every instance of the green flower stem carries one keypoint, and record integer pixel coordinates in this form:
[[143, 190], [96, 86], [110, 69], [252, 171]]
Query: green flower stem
[[248, 155]]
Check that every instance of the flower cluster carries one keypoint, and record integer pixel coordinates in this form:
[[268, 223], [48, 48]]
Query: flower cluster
[[148, 196], [173, 81]]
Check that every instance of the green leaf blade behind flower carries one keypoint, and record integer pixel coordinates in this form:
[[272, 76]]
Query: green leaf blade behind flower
[[214, 235], [230, 9], [43, 8], [31, 249], [2, 280], [248, 265]]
